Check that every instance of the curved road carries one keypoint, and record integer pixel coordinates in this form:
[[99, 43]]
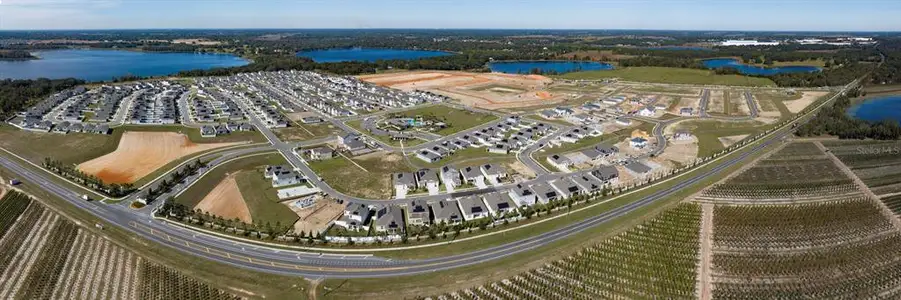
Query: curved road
[[308, 264]]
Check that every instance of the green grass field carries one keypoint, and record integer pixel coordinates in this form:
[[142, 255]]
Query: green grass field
[[68, 148], [357, 124], [670, 75], [262, 199], [374, 182], [459, 158], [302, 132], [457, 119], [709, 132], [202, 187]]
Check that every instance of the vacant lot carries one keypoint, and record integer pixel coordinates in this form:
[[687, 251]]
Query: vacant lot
[[262, 199], [709, 133], [317, 218], [670, 75], [371, 179], [140, 153], [484, 90], [303, 132], [68, 148], [225, 200], [806, 99]]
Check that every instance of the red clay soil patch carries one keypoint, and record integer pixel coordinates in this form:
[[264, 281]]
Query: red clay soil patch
[[141, 153], [226, 201]]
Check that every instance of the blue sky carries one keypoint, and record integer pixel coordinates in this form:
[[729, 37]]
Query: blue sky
[[824, 15]]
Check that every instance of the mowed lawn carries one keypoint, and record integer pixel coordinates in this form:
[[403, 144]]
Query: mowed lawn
[[371, 179], [670, 75], [261, 198], [709, 132], [69, 148], [457, 119]]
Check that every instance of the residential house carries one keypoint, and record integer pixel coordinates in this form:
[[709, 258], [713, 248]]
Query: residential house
[[638, 142], [272, 170], [566, 187], [499, 203], [544, 192], [320, 153], [403, 183], [473, 175], [428, 156], [493, 172], [559, 161], [286, 178], [450, 176], [522, 195], [355, 217], [447, 212], [389, 219], [427, 178], [638, 168], [418, 213], [606, 174], [588, 183], [686, 111], [207, 131], [473, 207]]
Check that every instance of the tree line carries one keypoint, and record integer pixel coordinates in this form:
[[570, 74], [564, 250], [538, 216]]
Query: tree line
[[16, 55], [72, 173], [834, 120]]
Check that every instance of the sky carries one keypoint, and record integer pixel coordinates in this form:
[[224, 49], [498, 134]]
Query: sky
[[764, 15]]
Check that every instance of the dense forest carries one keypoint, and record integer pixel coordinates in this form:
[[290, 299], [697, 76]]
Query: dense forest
[[15, 95]]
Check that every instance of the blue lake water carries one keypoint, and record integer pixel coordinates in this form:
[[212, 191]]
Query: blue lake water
[[96, 65], [754, 70], [878, 109], [559, 66], [680, 48], [368, 54]]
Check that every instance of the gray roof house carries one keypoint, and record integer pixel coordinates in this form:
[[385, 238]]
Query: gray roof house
[[472, 173], [355, 217], [286, 177], [588, 183], [390, 219], [606, 173], [447, 211], [418, 213], [427, 178], [493, 170], [271, 170], [544, 192], [473, 207], [638, 167], [499, 203], [450, 176], [405, 181], [320, 153], [566, 187], [522, 195]]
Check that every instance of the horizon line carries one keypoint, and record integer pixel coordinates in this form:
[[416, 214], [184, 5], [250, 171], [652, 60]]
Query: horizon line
[[450, 28]]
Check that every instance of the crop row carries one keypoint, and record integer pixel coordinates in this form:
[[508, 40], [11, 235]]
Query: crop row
[[159, 282], [794, 227], [23, 261], [797, 192], [798, 150], [11, 206], [19, 232], [803, 171], [41, 281], [893, 203], [657, 259]]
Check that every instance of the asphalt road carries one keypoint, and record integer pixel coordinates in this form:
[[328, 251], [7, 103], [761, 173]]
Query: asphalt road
[[316, 265]]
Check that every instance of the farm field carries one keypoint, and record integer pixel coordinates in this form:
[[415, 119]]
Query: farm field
[[624, 266], [795, 226], [226, 201], [482, 90], [876, 163], [45, 256], [141, 153], [669, 75]]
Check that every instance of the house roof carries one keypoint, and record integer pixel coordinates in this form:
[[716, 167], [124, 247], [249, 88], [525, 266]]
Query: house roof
[[472, 205], [426, 175], [358, 210], [566, 186], [522, 191], [498, 201], [406, 179], [446, 209], [638, 167], [605, 172], [493, 169], [543, 190], [389, 216], [471, 172]]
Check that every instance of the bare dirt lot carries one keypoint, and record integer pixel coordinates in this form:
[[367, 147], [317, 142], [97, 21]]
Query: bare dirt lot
[[141, 153], [682, 152], [483, 90], [226, 201], [317, 217], [807, 98]]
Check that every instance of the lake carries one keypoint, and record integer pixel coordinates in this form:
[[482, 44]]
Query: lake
[[686, 48], [545, 66], [755, 70], [97, 65], [368, 54], [878, 109]]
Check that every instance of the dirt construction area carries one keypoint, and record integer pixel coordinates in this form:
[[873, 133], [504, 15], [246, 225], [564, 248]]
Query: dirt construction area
[[807, 98], [226, 201], [318, 217], [141, 153], [483, 90]]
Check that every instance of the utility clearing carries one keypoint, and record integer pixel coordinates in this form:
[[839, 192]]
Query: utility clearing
[[226, 201], [141, 153]]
